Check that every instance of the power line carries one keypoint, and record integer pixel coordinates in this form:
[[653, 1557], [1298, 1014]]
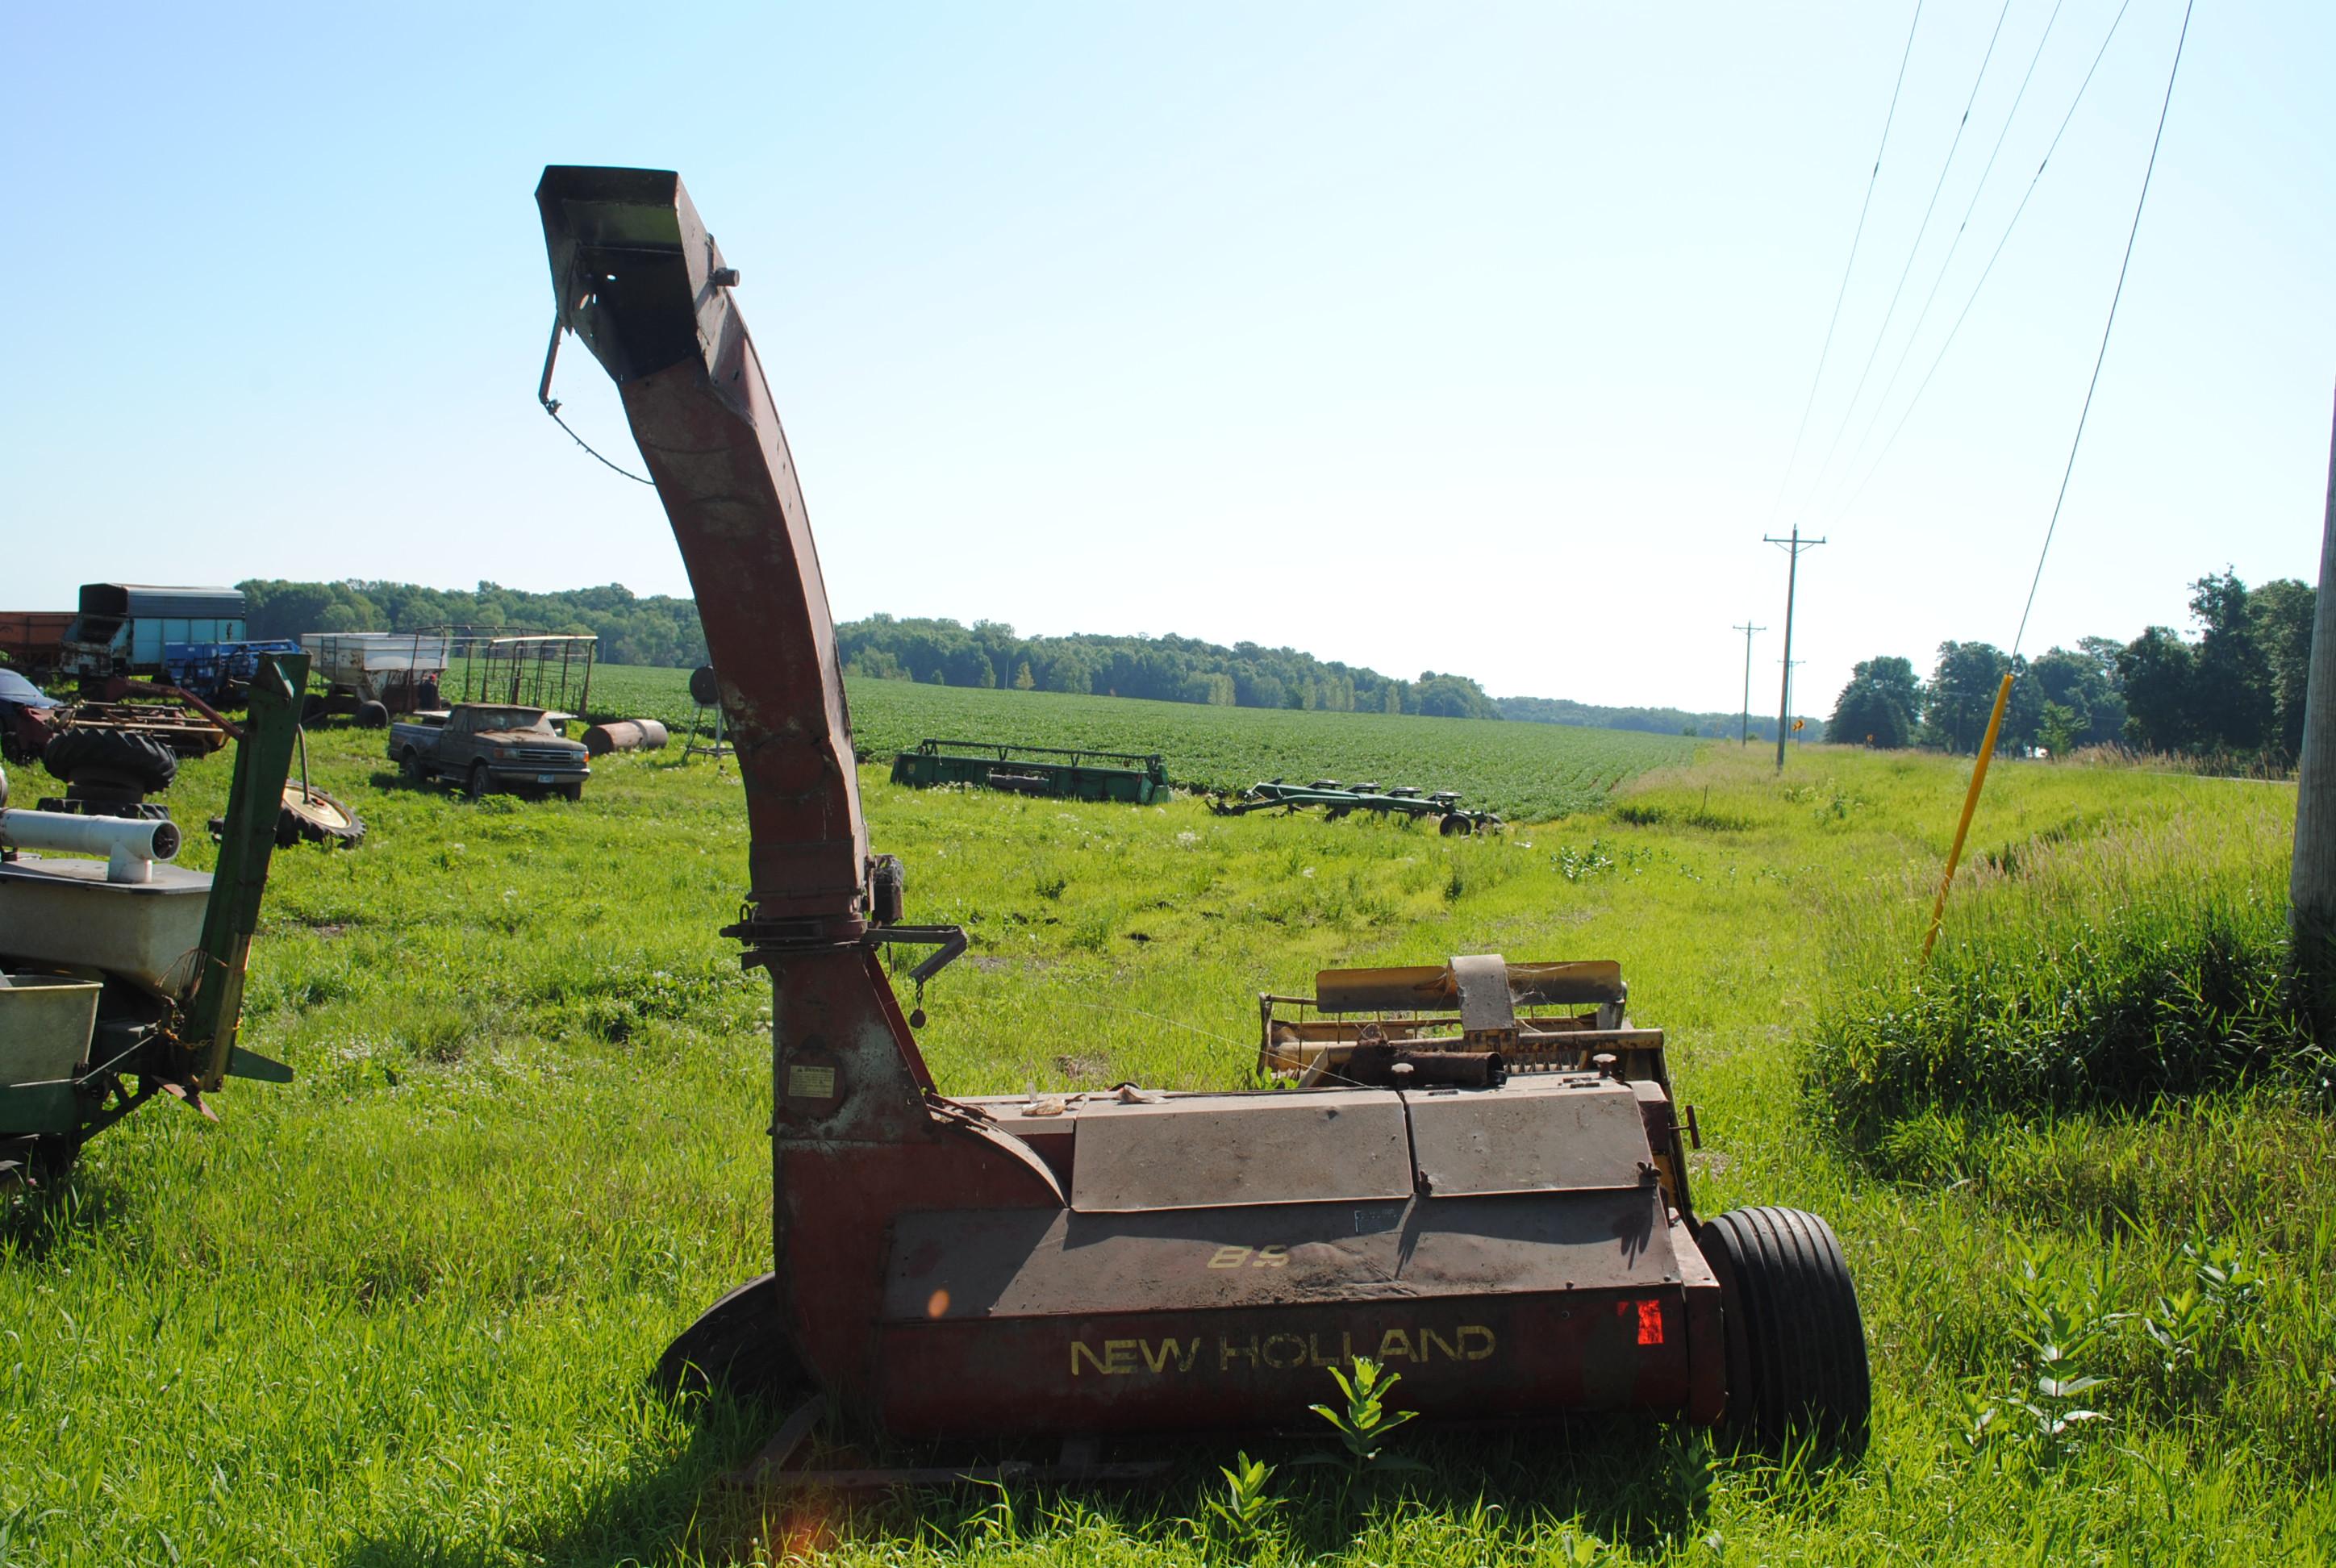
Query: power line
[[1907, 271], [1843, 293], [1915, 333], [2099, 358], [1993, 256]]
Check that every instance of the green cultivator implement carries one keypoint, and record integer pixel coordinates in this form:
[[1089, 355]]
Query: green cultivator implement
[[1036, 770], [1337, 802]]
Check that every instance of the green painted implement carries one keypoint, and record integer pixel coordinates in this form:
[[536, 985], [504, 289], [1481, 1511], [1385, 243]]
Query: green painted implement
[[1036, 770]]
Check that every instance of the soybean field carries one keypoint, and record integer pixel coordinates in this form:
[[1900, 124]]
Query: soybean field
[[1523, 771]]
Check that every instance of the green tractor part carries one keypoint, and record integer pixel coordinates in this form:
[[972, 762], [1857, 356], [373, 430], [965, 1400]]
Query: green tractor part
[[1337, 801], [123, 979], [1135, 778]]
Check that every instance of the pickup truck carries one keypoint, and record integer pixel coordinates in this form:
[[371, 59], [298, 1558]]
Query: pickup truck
[[490, 746]]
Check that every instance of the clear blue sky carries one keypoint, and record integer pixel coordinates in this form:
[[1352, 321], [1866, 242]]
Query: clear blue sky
[[1465, 337]]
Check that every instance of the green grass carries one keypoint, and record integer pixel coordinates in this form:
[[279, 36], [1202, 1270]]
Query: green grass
[[1518, 769], [400, 1311]]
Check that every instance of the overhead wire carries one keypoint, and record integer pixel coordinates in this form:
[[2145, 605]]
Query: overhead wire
[[2101, 356], [1841, 294], [1921, 230], [1940, 358], [1946, 262]]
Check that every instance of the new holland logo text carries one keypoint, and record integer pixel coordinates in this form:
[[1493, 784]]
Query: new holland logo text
[[1226, 1353]]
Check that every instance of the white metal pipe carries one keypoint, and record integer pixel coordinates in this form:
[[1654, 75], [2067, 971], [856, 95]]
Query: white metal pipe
[[131, 845]]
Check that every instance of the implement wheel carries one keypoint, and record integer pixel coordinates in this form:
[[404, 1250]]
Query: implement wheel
[[1796, 1341], [738, 1346], [90, 754], [310, 814]]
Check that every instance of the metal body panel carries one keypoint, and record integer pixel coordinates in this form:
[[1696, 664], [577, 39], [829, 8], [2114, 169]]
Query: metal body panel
[[1331, 1147], [1018, 1264], [1530, 1139], [1471, 1358]]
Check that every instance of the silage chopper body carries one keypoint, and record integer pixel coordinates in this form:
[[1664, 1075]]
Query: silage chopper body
[[1481, 1181]]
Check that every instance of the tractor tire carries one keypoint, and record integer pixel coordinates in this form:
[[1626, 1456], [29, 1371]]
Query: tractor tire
[[737, 1347], [409, 763], [1796, 1342], [309, 813], [95, 755], [480, 783], [373, 716]]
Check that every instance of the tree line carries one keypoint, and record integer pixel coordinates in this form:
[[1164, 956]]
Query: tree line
[[991, 653], [663, 630], [2234, 685]]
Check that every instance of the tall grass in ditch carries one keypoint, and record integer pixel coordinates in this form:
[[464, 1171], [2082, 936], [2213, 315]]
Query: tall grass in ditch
[[2145, 960]]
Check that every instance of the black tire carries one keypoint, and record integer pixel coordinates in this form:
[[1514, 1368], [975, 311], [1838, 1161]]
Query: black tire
[[373, 716], [313, 706], [738, 1346], [481, 782], [95, 755], [573, 792], [1796, 1365], [1452, 826], [409, 763]]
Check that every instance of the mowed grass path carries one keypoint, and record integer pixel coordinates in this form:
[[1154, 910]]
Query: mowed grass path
[[1521, 770], [400, 1312]]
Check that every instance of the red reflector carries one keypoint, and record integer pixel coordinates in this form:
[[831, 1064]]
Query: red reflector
[[1650, 1322]]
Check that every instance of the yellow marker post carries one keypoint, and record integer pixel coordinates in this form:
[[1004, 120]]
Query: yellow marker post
[[1971, 805]]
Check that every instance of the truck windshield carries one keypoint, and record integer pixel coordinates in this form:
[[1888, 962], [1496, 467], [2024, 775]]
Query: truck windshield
[[485, 719]]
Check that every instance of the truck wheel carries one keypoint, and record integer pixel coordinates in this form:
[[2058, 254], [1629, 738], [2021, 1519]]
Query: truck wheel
[[409, 763], [1796, 1342], [482, 782], [371, 715], [574, 791]]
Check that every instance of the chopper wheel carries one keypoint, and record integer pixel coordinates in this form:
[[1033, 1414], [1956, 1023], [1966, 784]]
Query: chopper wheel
[[1796, 1342], [738, 1346], [309, 813]]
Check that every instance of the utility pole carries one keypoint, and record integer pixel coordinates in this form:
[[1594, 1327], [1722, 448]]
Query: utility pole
[[1793, 548], [2311, 880], [1747, 628], [1790, 666]]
